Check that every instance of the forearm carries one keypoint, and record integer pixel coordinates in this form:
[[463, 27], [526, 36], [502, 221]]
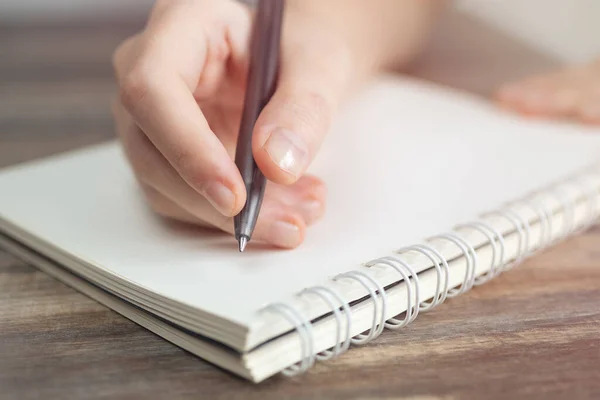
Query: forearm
[[380, 33]]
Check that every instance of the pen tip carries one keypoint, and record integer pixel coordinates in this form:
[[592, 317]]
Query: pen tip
[[243, 243]]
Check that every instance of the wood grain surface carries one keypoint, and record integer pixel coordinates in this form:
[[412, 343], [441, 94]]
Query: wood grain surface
[[534, 332]]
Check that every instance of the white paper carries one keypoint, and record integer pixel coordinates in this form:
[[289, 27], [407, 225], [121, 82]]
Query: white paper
[[404, 161]]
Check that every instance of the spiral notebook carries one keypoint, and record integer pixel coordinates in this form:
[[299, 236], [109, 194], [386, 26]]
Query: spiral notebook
[[431, 193]]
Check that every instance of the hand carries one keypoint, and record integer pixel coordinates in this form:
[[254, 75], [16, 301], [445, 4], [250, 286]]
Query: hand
[[570, 93], [182, 83]]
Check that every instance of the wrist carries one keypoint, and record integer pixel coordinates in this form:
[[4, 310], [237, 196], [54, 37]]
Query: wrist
[[336, 27], [380, 34]]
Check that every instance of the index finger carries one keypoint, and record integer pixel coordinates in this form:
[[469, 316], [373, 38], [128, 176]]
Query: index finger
[[157, 90]]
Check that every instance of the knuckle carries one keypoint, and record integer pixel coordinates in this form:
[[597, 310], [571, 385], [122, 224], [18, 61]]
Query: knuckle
[[159, 5], [134, 88], [118, 56], [116, 59], [219, 50], [121, 54], [320, 105], [312, 110]]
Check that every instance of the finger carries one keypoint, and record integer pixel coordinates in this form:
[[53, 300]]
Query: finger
[[157, 90], [154, 170], [291, 128], [214, 33], [167, 208], [280, 224], [307, 196], [314, 203], [589, 106], [549, 95]]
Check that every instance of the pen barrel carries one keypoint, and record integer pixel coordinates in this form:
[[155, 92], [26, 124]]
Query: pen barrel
[[261, 84]]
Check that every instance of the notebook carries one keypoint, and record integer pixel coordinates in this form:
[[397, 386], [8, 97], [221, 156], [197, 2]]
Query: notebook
[[431, 193]]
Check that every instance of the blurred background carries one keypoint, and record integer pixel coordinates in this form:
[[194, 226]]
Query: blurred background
[[56, 78], [565, 28]]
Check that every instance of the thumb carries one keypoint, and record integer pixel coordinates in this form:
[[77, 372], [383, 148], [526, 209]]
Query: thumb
[[291, 128]]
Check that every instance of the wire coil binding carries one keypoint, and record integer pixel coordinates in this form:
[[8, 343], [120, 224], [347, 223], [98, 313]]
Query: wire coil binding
[[521, 228], [304, 329], [378, 313], [566, 210], [441, 268], [469, 254], [496, 240], [327, 294], [592, 204], [409, 276], [342, 312]]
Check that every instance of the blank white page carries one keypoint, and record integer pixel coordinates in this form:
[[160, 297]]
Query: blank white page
[[403, 161]]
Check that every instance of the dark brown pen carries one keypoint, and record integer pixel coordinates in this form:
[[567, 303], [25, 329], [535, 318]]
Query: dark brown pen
[[262, 79]]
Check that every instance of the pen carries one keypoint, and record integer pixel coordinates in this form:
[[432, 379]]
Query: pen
[[262, 79]]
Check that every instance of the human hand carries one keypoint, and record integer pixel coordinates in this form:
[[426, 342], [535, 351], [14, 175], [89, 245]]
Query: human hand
[[182, 82], [568, 93]]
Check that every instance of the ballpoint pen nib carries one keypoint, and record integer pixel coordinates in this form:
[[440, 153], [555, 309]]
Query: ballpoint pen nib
[[243, 242]]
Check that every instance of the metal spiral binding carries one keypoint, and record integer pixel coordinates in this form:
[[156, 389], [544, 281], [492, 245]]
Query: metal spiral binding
[[342, 312], [522, 228], [592, 204], [567, 212], [407, 273], [496, 240], [377, 327], [545, 222], [440, 292], [304, 329], [470, 256], [326, 294]]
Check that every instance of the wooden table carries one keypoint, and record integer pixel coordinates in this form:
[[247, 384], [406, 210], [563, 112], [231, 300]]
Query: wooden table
[[533, 332]]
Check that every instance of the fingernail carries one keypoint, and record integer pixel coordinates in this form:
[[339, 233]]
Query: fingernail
[[284, 234], [220, 196], [287, 150]]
